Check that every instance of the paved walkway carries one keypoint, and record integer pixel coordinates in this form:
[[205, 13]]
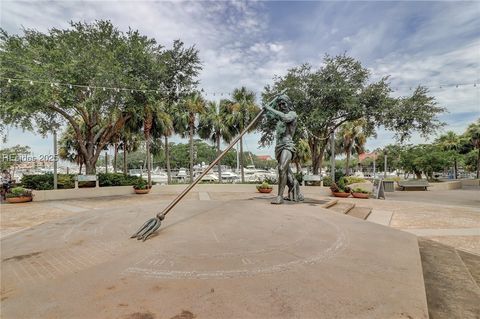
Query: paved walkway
[[451, 217], [242, 258], [469, 197]]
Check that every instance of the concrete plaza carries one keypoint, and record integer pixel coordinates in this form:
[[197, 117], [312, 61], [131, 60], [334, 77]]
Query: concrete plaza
[[223, 252]]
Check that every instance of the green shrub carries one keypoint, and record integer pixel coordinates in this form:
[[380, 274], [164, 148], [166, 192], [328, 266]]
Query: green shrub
[[45, 181], [271, 181], [360, 190], [299, 177], [38, 182], [341, 183], [334, 188], [18, 192], [65, 181], [264, 185], [354, 179], [327, 181], [338, 175], [340, 186], [117, 179], [140, 183], [395, 179]]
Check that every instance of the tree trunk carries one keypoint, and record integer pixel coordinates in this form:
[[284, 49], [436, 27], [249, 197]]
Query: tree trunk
[[241, 161], [81, 166], [115, 154], [90, 168], [455, 168], [317, 151], [167, 160], [124, 158], [418, 175], [297, 165], [219, 162], [149, 160], [191, 153], [347, 164]]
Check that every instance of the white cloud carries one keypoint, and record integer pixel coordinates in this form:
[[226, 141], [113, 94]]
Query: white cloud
[[244, 42]]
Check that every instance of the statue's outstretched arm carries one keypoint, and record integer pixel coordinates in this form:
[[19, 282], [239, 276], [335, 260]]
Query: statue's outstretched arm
[[286, 117]]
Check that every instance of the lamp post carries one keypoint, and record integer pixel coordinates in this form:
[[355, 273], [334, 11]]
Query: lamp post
[[385, 163], [55, 174]]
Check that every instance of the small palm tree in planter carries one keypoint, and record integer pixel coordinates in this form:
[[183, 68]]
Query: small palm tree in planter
[[19, 195], [265, 187], [340, 190], [141, 186], [360, 193]]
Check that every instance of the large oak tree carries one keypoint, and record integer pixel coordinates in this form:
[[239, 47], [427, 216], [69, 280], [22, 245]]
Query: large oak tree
[[340, 91], [79, 75]]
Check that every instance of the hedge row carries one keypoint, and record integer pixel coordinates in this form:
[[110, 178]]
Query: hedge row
[[116, 179], [45, 181]]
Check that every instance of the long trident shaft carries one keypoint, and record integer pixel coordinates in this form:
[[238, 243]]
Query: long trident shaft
[[153, 224]]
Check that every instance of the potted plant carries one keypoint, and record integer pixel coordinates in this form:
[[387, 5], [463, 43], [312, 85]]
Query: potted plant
[[340, 190], [360, 193], [264, 187], [141, 186], [19, 195]]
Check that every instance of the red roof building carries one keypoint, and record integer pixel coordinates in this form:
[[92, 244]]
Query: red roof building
[[363, 156], [264, 157]]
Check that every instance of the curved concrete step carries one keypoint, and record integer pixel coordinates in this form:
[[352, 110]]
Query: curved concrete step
[[360, 212], [342, 207], [451, 291]]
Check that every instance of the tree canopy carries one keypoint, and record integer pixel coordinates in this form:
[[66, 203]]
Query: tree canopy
[[83, 76], [340, 91]]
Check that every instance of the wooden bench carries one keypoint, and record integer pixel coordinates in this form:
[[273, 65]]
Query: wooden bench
[[86, 178], [417, 183], [313, 180]]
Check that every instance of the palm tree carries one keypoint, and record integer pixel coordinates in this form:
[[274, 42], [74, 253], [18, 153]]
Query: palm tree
[[213, 125], [69, 149], [243, 110], [450, 142], [303, 154], [352, 137], [115, 142], [473, 135], [189, 107], [157, 123], [129, 141]]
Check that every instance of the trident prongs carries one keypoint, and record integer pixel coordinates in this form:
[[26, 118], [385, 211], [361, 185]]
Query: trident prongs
[[148, 228]]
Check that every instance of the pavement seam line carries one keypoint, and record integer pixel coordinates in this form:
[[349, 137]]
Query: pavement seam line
[[468, 269]]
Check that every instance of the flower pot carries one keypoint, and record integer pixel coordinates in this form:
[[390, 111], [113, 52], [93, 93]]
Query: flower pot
[[361, 195], [265, 190], [20, 199], [142, 191], [341, 194]]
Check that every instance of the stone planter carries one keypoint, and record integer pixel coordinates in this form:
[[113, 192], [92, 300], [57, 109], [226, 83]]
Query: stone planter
[[142, 191], [344, 195], [265, 190], [361, 195], [20, 199]]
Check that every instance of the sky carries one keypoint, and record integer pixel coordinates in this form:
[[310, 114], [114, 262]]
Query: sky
[[246, 43]]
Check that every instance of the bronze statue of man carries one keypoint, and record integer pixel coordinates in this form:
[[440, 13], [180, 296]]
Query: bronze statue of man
[[281, 109]]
